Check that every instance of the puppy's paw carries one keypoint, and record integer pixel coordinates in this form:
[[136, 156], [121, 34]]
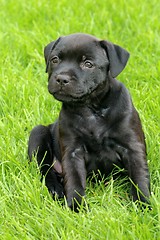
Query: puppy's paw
[[57, 191], [55, 186], [77, 203], [143, 205]]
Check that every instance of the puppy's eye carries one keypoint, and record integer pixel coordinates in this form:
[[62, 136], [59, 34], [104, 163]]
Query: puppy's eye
[[55, 60], [88, 64]]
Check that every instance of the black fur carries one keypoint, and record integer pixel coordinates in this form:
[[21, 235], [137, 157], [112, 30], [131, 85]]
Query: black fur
[[98, 126]]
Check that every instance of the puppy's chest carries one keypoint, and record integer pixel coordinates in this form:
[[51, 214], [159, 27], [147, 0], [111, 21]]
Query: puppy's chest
[[91, 127]]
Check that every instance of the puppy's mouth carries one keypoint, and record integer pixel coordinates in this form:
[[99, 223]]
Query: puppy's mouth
[[80, 96], [65, 97]]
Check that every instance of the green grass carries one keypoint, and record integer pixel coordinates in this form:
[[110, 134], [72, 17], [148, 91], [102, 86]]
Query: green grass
[[26, 209]]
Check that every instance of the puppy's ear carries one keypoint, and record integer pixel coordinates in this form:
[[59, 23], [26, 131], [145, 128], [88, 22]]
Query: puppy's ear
[[47, 52], [117, 56]]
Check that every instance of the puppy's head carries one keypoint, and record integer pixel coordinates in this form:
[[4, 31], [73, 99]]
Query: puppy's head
[[78, 66]]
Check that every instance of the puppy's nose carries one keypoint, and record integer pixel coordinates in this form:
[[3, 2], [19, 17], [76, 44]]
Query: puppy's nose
[[62, 79]]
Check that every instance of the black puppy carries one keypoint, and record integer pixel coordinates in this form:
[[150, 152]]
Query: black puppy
[[98, 127]]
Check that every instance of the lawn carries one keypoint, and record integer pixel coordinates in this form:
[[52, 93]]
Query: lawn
[[26, 208]]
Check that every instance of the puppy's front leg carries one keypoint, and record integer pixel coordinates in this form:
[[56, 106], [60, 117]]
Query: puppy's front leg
[[139, 174], [74, 176]]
